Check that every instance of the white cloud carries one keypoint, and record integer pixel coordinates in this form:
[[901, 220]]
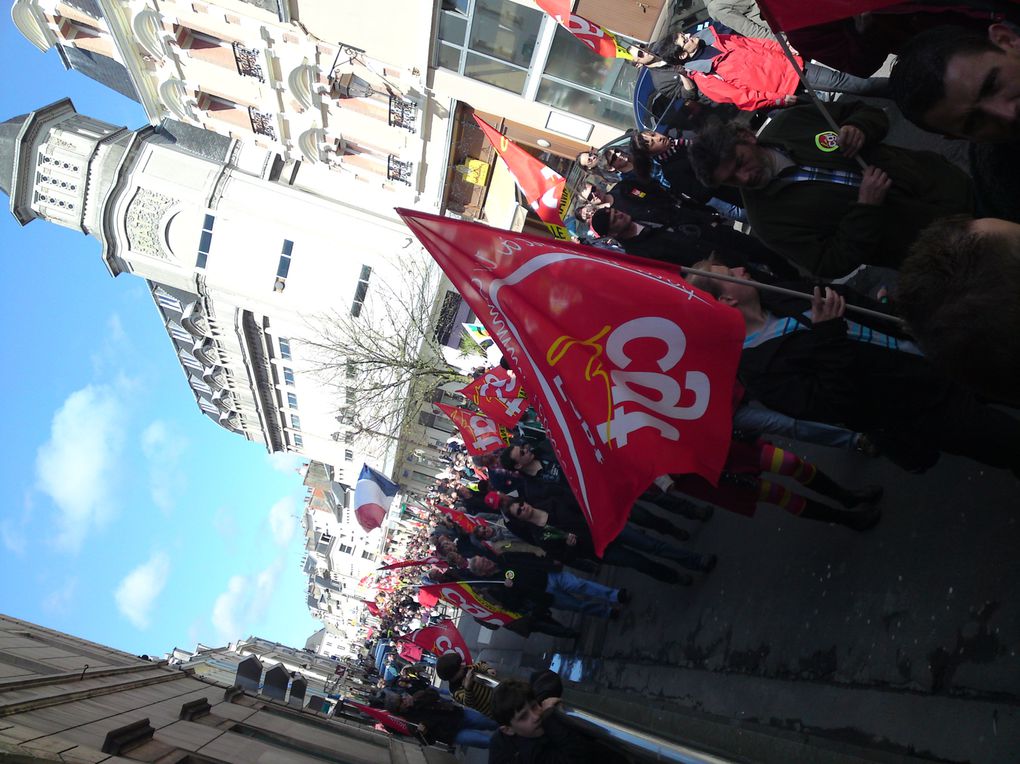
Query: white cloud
[[59, 600], [283, 461], [238, 609], [77, 466], [139, 589], [282, 521], [163, 449], [224, 522]]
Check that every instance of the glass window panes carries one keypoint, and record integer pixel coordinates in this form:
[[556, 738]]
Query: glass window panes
[[449, 57], [583, 103], [505, 30], [288, 375], [284, 348], [452, 27], [292, 400], [495, 72], [295, 421], [577, 65]]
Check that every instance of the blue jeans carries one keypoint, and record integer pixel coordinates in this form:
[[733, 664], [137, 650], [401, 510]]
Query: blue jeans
[[477, 729], [631, 536], [568, 593], [727, 210], [758, 421]]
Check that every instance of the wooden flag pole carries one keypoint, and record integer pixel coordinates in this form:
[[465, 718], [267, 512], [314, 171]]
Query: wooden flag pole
[[788, 292], [803, 81]]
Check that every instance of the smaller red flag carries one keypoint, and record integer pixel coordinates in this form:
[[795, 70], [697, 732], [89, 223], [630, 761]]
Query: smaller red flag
[[409, 652], [464, 520], [498, 394], [473, 602], [440, 639], [372, 608], [481, 434], [597, 39], [412, 563], [387, 719]]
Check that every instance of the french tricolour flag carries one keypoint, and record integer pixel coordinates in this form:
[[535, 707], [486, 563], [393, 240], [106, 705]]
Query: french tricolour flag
[[372, 496]]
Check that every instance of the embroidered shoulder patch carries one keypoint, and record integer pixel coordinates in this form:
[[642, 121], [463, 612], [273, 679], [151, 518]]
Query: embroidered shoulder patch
[[827, 141]]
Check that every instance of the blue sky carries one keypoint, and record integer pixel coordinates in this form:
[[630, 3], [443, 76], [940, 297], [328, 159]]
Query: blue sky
[[128, 517]]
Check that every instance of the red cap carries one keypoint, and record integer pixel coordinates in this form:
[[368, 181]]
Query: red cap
[[492, 500]]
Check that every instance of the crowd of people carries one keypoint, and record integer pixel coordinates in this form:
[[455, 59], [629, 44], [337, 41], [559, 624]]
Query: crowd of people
[[750, 181]]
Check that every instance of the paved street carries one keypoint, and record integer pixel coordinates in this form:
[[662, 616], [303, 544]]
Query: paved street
[[900, 640]]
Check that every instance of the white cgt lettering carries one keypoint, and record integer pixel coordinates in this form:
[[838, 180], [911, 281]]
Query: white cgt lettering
[[668, 390]]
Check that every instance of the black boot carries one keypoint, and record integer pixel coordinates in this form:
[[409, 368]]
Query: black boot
[[861, 520], [826, 486]]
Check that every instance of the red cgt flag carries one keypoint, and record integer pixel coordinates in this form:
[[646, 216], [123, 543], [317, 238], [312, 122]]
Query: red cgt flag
[[440, 639], [481, 433], [464, 520], [372, 607], [597, 39], [544, 188], [439, 561], [629, 367], [473, 602], [499, 395], [787, 15]]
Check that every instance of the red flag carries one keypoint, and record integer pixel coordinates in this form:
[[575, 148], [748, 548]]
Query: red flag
[[409, 652], [481, 434], [464, 520], [499, 395], [596, 38], [372, 608], [427, 599], [544, 188], [411, 563], [473, 602], [787, 15], [630, 368], [440, 639], [387, 719]]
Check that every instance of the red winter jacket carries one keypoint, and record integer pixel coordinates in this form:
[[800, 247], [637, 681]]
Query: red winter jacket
[[748, 72]]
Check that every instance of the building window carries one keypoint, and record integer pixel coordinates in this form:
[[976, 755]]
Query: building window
[[399, 170], [348, 455], [361, 290], [348, 437], [292, 400], [367, 555], [190, 361], [351, 368], [247, 60], [178, 332], [344, 549], [284, 348], [284, 266], [166, 299], [288, 375], [488, 40], [494, 42], [403, 113], [298, 440], [261, 123], [205, 242], [295, 421]]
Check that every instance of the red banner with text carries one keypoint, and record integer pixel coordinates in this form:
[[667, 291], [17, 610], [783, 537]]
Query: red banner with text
[[597, 39], [473, 602], [629, 367], [440, 639], [481, 434], [498, 394]]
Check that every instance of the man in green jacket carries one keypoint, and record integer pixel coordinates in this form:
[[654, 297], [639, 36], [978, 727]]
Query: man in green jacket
[[807, 197]]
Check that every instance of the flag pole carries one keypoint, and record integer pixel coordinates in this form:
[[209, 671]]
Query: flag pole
[[788, 292], [802, 76]]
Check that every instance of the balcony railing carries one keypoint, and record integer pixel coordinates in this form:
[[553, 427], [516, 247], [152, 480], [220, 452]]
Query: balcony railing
[[399, 170], [262, 123], [403, 113], [247, 60]]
